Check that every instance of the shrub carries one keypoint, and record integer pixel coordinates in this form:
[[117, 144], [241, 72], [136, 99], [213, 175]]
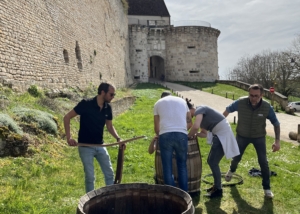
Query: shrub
[[33, 90], [6, 120], [44, 120], [49, 103], [90, 91], [4, 102]]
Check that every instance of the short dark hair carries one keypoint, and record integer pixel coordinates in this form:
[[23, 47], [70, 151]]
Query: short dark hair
[[165, 93], [104, 87], [256, 87]]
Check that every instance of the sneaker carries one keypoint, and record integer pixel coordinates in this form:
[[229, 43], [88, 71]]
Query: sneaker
[[228, 176], [214, 193], [268, 193]]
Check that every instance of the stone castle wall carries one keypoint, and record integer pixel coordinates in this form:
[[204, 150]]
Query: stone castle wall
[[61, 43], [192, 54], [138, 52], [188, 53]]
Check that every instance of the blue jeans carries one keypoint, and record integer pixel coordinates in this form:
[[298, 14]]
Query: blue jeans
[[178, 142], [261, 151], [87, 155]]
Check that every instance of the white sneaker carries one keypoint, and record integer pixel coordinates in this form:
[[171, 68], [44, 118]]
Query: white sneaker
[[268, 193], [228, 176]]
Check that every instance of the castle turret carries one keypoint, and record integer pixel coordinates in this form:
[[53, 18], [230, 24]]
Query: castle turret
[[192, 54]]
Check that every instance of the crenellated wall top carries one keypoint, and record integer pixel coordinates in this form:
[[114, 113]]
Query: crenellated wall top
[[193, 30], [138, 28]]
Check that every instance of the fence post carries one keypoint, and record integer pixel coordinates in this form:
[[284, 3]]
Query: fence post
[[226, 94], [234, 120], [298, 137]]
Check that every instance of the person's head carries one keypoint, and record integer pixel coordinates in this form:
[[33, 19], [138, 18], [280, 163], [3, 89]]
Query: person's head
[[165, 93], [255, 93], [107, 91], [191, 106]]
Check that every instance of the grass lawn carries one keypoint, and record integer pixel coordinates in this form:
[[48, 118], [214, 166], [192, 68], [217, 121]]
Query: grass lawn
[[51, 180]]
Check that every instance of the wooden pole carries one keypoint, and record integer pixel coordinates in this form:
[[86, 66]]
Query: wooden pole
[[111, 144], [298, 137], [234, 120], [272, 99], [119, 169]]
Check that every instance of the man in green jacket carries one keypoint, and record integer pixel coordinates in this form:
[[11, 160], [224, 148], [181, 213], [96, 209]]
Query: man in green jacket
[[253, 112]]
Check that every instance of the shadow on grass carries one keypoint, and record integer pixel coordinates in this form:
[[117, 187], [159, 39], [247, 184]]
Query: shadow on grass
[[213, 206], [196, 201], [244, 207]]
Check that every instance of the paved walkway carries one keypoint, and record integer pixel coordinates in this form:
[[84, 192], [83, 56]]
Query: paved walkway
[[287, 122]]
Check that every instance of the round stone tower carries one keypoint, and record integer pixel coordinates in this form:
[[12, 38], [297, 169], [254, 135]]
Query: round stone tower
[[191, 54]]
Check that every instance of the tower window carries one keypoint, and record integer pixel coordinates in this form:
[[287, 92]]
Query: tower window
[[78, 55], [66, 56]]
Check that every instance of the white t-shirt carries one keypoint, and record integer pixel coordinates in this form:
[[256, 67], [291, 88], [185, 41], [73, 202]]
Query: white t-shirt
[[172, 114]]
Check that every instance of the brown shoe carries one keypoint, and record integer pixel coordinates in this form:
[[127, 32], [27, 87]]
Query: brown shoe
[[214, 193], [210, 189]]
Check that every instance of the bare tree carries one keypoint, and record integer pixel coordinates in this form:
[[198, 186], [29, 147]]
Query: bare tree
[[279, 69]]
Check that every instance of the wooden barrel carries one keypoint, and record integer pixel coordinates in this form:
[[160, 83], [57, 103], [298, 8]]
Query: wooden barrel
[[194, 167], [136, 198], [293, 135]]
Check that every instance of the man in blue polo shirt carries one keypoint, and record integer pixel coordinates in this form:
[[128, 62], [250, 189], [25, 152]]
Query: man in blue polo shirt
[[94, 113]]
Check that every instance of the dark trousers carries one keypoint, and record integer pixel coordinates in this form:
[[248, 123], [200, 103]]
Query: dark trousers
[[215, 155], [260, 147]]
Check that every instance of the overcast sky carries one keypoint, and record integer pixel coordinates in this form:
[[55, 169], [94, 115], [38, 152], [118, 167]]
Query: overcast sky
[[247, 26]]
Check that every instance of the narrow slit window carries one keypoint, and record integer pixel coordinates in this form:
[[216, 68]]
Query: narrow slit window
[[191, 47], [78, 55], [194, 72], [66, 56]]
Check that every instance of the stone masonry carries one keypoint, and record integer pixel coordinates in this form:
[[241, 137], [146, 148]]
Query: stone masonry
[[187, 53], [61, 43]]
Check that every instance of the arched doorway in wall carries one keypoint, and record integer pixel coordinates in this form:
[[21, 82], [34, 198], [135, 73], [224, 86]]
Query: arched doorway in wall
[[156, 67]]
